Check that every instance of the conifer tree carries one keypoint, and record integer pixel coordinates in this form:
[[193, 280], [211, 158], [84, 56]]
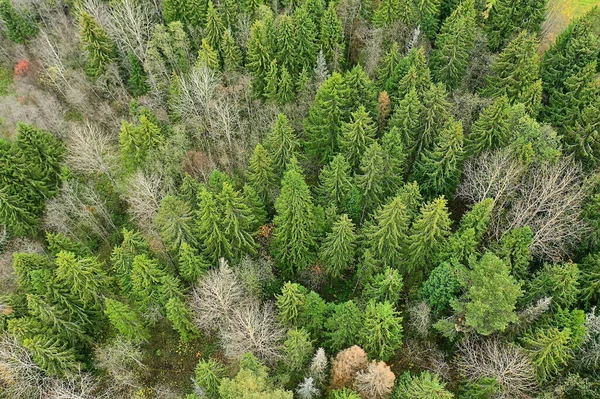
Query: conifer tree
[[293, 235], [146, 279], [19, 27], [135, 142], [257, 207], [207, 56], [213, 30], [208, 375], [251, 6], [324, 121], [372, 177], [558, 280], [52, 355], [381, 334], [191, 13], [435, 116], [281, 143], [285, 91], [427, 237], [442, 286], [95, 41], [492, 130], [549, 351], [290, 303], [407, 119], [410, 195], [286, 41], [179, 315], [297, 349], [439, 169], [384, 286], [306, 39], [210, 232], [331, 40], [83, 277], [428, 16], [236, 221], [125, 320], [454, 45], [261, 53], [175, 224], [386, 237], [361, 90], [260, 173], [388, 64], [335, 182], [137, 83], [357, 135], [191, 264], [272, 81], [426, 385], [387, 13], [516, 74], [514, 249], [337, 250], [395, 159], [230, 52], [509, 17], [343, 325]]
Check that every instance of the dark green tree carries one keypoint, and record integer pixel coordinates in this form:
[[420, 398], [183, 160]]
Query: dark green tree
[[191, 264], [384, 286], [191, 13], [18, 26], [230, 52], [135, 142], [331, 39], [428, 16], [423, 386], [175, 223], [137, 81], [388, 64], [236, 222], [492, 130], [337, 250], [549, 351], [286, 41], [361, 90], [83, 277], [372, 178], [214, 28], [261, 52], [260, 173], [396, 155], [435, 116], [179, 314], [210, 230], [514, 249], [507, 18], [208, 56], [343, 325], [557, 280], [306, 48], [208, 375], [125, 320], [285, 90], [407, 119], [335, 182], [272, 82], [282, 143], [441, 287]]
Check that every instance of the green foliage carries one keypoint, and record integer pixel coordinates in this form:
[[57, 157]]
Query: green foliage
[[492, 129], [343, 394], [84, 277], [549, 351], [18, 25], [514, 249], [236, 222], [343, 325], [306, 39], [386, 237], [285, 90], [407, 119], [393, 146], [137, 81], [208, 56], [146, 279], [372, 177], [385, 286], [381, 333], [210, 232], [136, 142], [191, 264], [208, 376], [58, 242], [391, 11], [281, 143], [231, 53], [297, 349], [180, 316], [191, 13], [423, 386], [261, 51], [361, 90], [357, 136], [428, 14], [213, 31], [286, 40], [96, 43], [290, 303], [590, 277], [435, 118], [509, 17], [331, 39], [337, 250], [175, 223], [335, 182], [441, 287], [53, 356], [125, 320], [260, 173], [557, 280], [388, 64], [483, 388]]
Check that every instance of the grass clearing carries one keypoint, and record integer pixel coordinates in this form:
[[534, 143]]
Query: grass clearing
[[560, 13]]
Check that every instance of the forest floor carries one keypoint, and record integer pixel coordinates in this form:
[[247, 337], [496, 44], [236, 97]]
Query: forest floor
[[560, 14]]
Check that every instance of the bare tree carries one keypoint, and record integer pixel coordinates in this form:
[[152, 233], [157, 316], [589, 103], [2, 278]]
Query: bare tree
[[529, 315], [589, 354], [505, 362], [426, 355], [121, 359], [420, 317], [78, 385], [345, 366], [318, 366], [307, 389], [144, 192], [376, 381]]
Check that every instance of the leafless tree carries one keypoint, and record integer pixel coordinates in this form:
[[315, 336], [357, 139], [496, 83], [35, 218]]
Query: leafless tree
[[79, 385], [529, 315], [345, 366], [144, 192], [121, 359], [589, 354], [318, 366], [420, 317], [307, 389], [426, 355], [376, 381], [505, 362]]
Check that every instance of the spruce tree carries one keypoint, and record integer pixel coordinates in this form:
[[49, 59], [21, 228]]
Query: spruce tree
[[191, 264], [337, 250], [230, 52], [343, 325], [52, 355], [285, 91], [261, 51], [335, 182], [509, 17], [146, 280], [260, 173], [388, 12], [427, 238], [492, 130], [439, 169], [434, 117], [287, 55], [371, 178], [137, 83], [293, 235], [428, 16], [191, 13], [135, 142], [426, 385], [175, 223], [213, 30], [125, 320], [18, 25], [207, 56], [514, 250], [410, 195], [83, 277], [95, 41], [210, 232], [179, 315], [281, 143], [407, 119], [297, 349], [357, 135], [236, 221], [324, 121], [257, 207], [388, 64], [384, 286], [549, 351], [306, 39], [386, 237], [361, 90], [208, 375], [290, 303], [381, 334], [454, 45], [516, 74], [331, 40]]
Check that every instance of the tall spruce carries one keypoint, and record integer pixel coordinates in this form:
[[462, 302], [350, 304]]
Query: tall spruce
[[236, 221], [99, 48], [213, 31], [281, 143], [261, 51], [260, 173], [492, 130], [509, 17], [371, 178], [335, 182], [357, 136], [337, 250], [331, 39]]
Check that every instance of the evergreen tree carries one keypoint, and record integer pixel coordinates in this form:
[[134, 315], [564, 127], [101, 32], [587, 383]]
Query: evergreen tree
[[281, 143], [372, 177], [427, 237], [191, 264], [491, 296], [441, 288], [18, 26], [287, 55], [83, 277], [306, 39], [514, 249], [384, 286], [428, 16], [392, 143], [297, 349], [335, 182], [324, 121], [95, 41], [357, 136], [174, 221], [207, 56], [387, 236], [439, 170], [261, 52], [208, 375], [381, 333], [125, 320], [407, 119], [361, 90], [231, 53], [388, 64], [52, 355], [557, 280], [260, 173], [435, 116], [213, 30], [272, 82], [343, 325], [179, 315], [285, 90], [390, 11], [454, 45], [135, 142], [290, 303], [411, 72], [509, 17], [256, 206], [138, 86], [236, 221], [337, 250], [191, 13], [492, 130], [516, 74], [146, 279], [549, 351], [293, 235], [423, 386], [331, 40], [210, 230]]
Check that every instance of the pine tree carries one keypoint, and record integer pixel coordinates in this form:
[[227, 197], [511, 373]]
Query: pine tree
[[361, 90], [213, 31], [439, 169], [516, 74], [19, 26], [343, 325], [290, 303], [427, 237], [372, 177], [83, 277], [509, 17], [428, 16], [210, 230], [260, 54], [174, 221], [407, 119], [386, 237], [492, 130], [179, 315], [454, 45], [331, 40], [335, 182], [388, 64], [285, 91], [434, 117], [138, 86], [549, 351], [337, 250], [191, 264], [281, 143], [324, 121], [52, 355], [286, 41], [236, 221], [306, 39], [357, 136], [381, 334], [125, 320], [232, 56], [260, 173], [96, 43], [293, 235]]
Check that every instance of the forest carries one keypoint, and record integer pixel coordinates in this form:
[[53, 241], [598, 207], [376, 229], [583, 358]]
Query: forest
[[299, 199]]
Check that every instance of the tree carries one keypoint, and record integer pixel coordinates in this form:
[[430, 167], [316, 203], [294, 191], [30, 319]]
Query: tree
[[209, 226], [191, 264], [372, 178], [423, 386], [427, 237], [256, 206], [125, 320], [138, 86], [260, 54], [331, 40], [297, 349], [384, 286], [376, 381], [136, 142], [361, 90], [391, 11], [357, 136], [491, 296], [557, 280], [179, 315], [395, 159], [213, 30], [388, 63], [516, 74], [381, 333], [335, 182], [146, 280], [96, 43], [549, 351], [306, 38], [411, 72], [343, 325], [439, 169], [441, 287], [343, 394], [84, 277], [590, 276], [290, 303], [407, 119], [337, 250], [428, 14], [174, 221], [282, 143], [285, 90], [208, 57], [191, 13], [435, 117], [324, 120], [492, 129], [454, 45], [345, 366], [208, 375], [509, 17], [260, 173], [272, 82], [55, 357], [514, 249], [307, 389], [286, 40], [236, 221], [293, 235], [232, 56], [18, 25], [386, 237]]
